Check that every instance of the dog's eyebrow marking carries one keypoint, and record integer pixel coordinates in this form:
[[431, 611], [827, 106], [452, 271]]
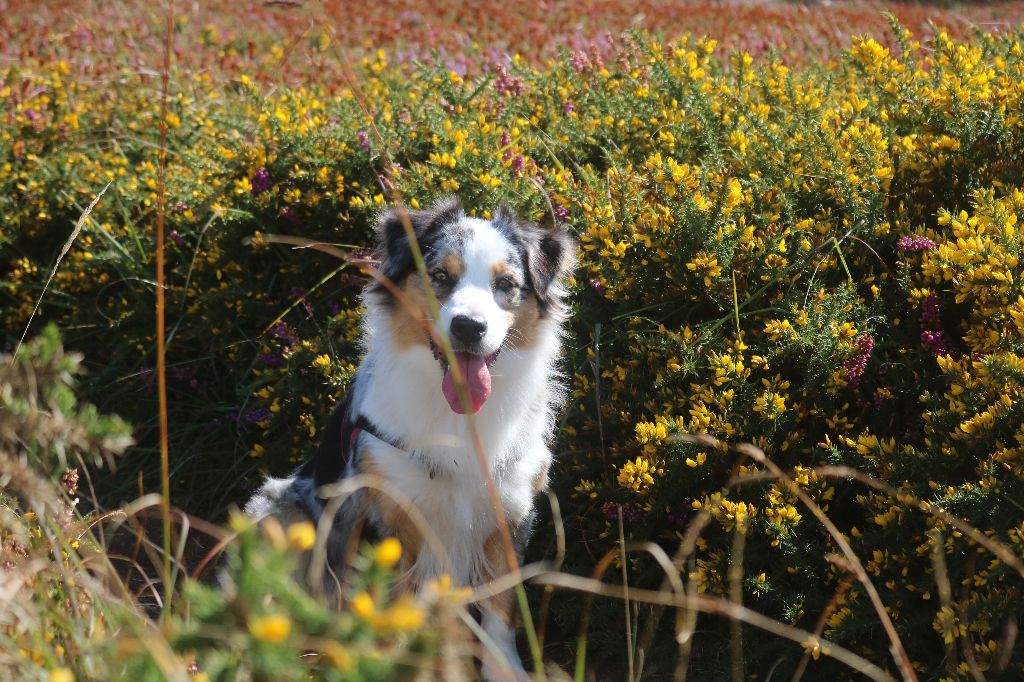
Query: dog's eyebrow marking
[[452, 262], [503, 269]]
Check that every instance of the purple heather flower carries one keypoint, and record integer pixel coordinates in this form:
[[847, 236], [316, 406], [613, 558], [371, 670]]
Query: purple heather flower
[[364, 140], [931, 321], [677, 519], [519, 164], [283, 332], [506, 147], [568, 107], [856, 363], [260, 414], [333, 308], [580, 62], [936, 342], [597, 286], [260, 182], [176, 238], [289, 214], [630, 512], [561, 212], [931, 312], [270, 360], [506, 84], [907, 244]]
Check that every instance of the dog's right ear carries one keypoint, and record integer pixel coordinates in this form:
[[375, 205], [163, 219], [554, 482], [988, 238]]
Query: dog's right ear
[[394, 250]]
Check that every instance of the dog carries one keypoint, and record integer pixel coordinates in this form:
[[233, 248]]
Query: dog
[[500, 286]]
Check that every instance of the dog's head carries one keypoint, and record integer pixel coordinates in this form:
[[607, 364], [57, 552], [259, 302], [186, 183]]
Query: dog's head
[[497, 283]]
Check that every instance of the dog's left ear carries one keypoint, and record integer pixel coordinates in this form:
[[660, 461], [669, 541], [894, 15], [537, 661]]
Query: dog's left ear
[[550, 255]]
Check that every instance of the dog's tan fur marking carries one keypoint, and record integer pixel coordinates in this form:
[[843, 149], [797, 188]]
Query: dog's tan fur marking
[[453, 264], [501, 268], [497, 566], [391, 516], [525, 328], [407, 324]]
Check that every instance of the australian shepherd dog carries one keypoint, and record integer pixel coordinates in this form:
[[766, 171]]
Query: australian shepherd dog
[[499, 284]]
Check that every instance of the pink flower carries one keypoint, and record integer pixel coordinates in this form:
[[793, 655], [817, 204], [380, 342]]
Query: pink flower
[[908, 244], [855, 364]]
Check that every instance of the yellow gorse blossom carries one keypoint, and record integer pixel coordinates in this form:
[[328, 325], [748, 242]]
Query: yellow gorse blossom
[[301, 536], [387, 552], [638, 474], [706, 266], [272, 629]]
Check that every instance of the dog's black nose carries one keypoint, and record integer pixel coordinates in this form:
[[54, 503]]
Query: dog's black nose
[[467, 330]]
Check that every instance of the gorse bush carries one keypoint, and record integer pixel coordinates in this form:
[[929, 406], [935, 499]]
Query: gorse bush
[[823, 261]]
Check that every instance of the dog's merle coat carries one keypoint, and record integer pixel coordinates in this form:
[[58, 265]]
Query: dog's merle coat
[[499, 283]]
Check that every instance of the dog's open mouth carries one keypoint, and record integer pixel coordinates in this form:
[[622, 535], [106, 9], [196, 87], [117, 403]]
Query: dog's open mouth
[[476, 372]]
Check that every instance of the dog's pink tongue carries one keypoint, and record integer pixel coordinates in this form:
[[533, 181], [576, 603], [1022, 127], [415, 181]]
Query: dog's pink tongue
[[478, 382]]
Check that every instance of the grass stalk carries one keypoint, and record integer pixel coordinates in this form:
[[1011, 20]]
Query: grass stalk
[[625, 587], [63, 252], [739, 543], [161, 359]]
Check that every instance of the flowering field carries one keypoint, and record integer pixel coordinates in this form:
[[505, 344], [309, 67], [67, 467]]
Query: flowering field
[[798, 232]]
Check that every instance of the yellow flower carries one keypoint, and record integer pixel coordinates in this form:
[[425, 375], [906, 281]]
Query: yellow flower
[[387, 553], [816, 647], [301, 536], [362, 605], [61, 675], [338, 655], [272, 629], [693, 463], [404, 615], [443, 589], [705, 265], [734, 193], [636, 475], [948, 625]]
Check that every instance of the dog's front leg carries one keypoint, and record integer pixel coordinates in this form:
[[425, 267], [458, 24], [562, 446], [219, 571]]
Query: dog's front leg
[[500, 659], [502, 665]]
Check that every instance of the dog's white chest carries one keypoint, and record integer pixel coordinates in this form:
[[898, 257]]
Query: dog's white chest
[[455, 507]]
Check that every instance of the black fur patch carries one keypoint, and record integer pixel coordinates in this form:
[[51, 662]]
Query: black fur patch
[[431, 227], [549, 255], [328, 464]]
